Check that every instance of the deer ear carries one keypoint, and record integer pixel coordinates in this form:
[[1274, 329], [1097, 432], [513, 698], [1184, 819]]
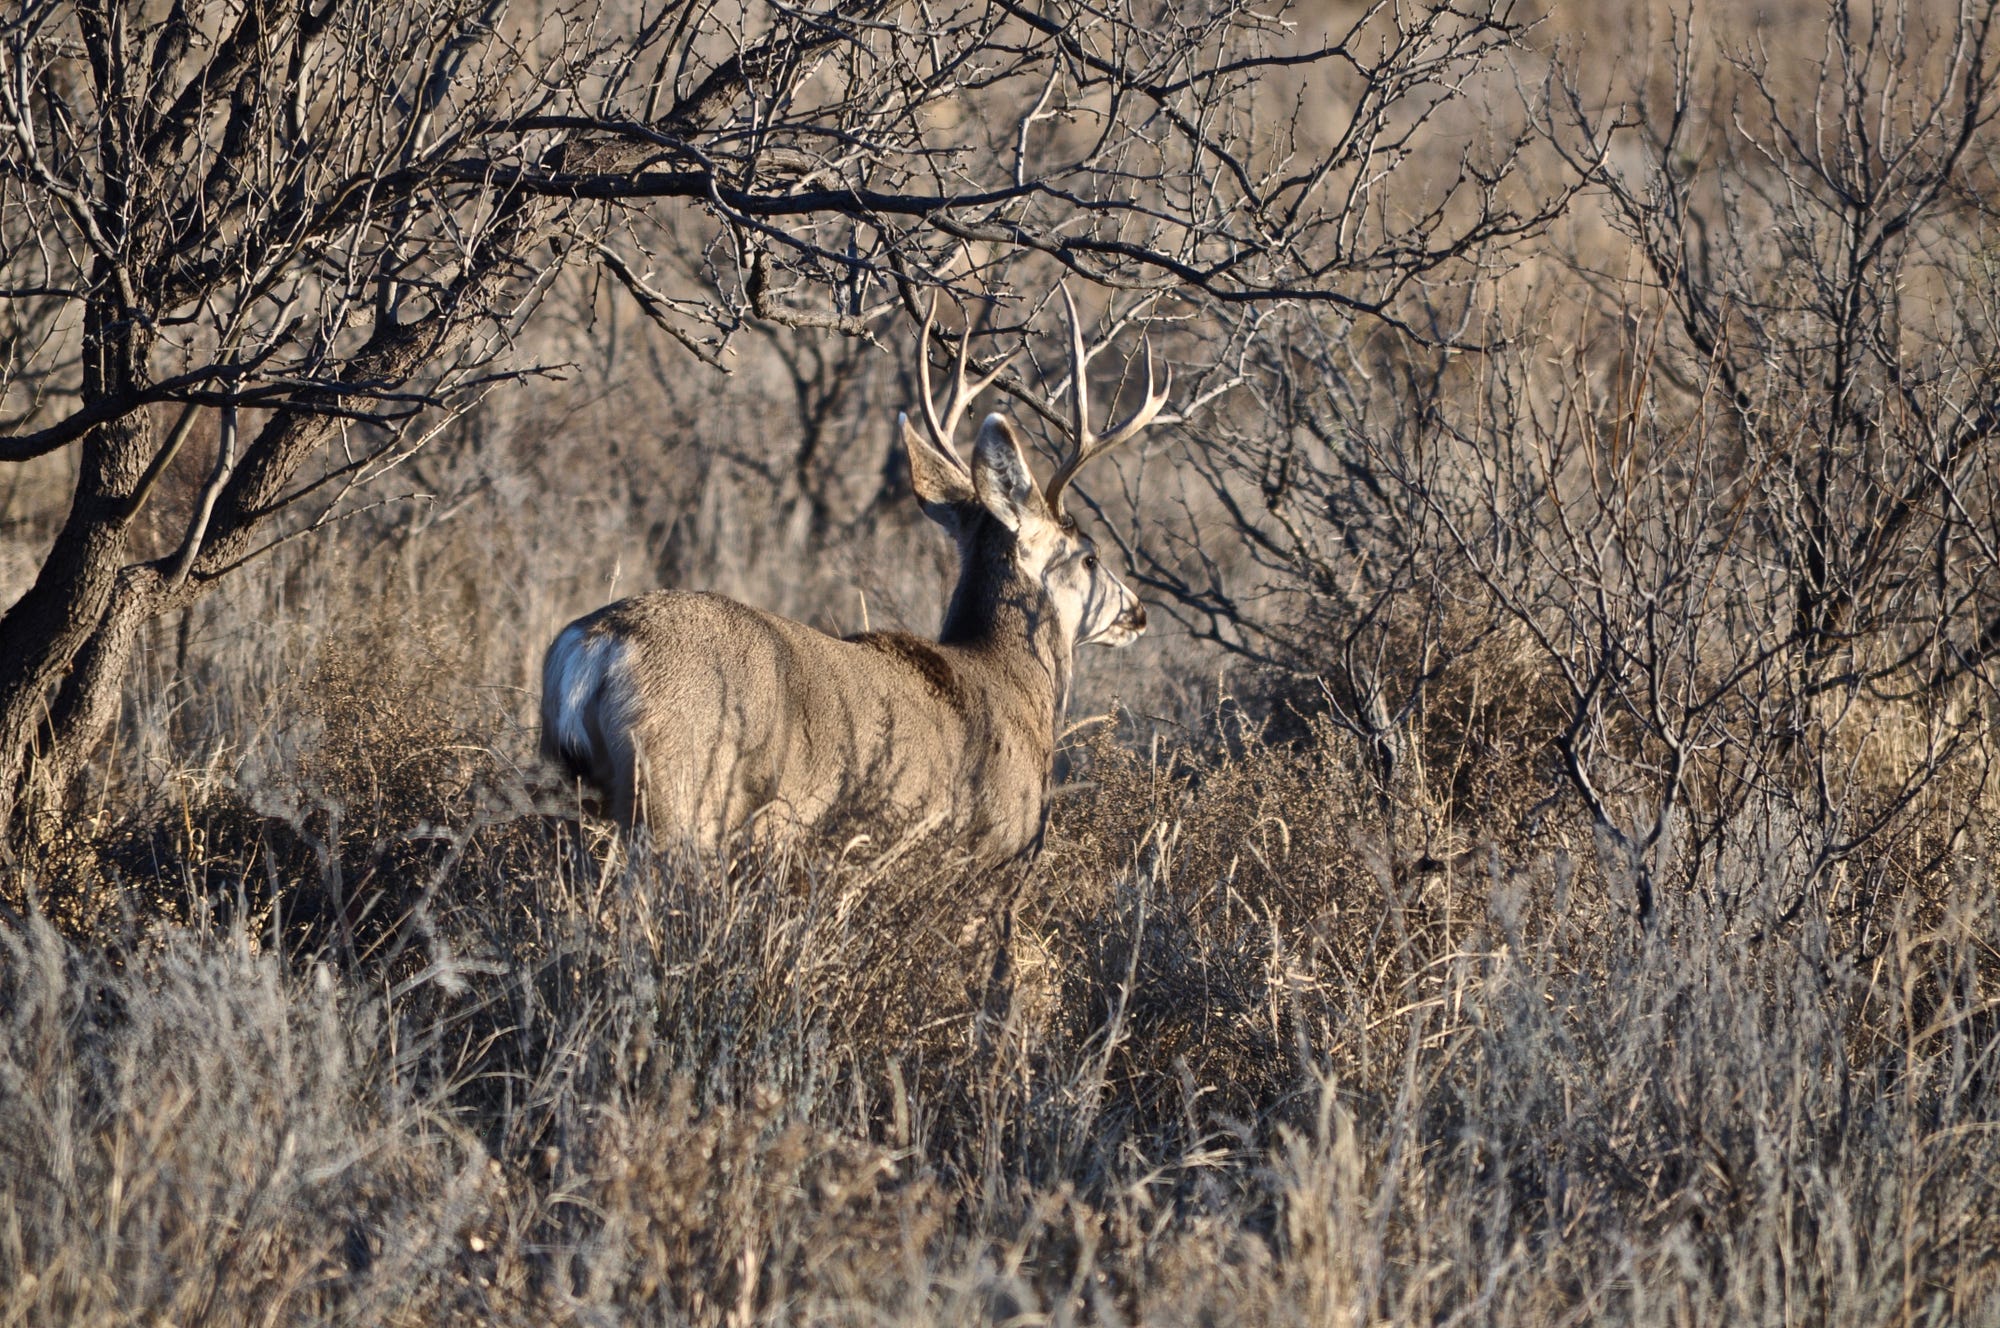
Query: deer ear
[[1000, 475], [941, 482]]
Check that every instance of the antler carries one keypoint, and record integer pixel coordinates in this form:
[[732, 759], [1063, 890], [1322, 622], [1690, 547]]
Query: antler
[[942, 431], [1088, 444]]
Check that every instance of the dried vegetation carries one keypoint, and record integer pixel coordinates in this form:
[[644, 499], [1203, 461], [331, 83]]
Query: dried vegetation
[[1541, 875], [1270, 1056]]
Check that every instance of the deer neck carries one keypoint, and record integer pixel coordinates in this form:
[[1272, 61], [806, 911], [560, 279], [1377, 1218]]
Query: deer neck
[[1008, 622]]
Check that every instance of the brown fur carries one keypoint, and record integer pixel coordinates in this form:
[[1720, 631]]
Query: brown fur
[[715, 715], [922, 656]]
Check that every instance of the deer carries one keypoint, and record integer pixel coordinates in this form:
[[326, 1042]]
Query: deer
[[704, 719]]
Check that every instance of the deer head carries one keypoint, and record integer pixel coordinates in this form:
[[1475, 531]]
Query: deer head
[[1010, 528]]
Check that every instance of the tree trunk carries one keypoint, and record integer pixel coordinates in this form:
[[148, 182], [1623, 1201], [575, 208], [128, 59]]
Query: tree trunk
[[87, 702], [47, 630]]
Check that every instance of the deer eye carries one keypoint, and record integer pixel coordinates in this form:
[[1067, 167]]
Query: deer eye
[[1090, 561]]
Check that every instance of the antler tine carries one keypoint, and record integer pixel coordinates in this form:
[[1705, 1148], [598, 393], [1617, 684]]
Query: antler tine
[[1154, 403], [1079, 377], [962, 395], [1087, 444], [960, 398], [939, 438]]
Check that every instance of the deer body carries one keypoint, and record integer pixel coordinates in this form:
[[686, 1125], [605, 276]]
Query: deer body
[[765, 717], [704, 718]]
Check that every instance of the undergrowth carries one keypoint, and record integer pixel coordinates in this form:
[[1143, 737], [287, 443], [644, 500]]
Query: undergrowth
[[404, 1044]]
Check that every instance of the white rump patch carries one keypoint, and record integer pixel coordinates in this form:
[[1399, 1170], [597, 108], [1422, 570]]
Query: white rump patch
[[572, 677]]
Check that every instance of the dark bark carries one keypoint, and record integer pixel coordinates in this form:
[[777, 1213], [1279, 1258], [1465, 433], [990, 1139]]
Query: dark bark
[[42, 635]]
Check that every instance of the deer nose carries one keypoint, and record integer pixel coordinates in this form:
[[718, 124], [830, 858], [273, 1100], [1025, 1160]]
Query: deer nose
[[1138, 616]]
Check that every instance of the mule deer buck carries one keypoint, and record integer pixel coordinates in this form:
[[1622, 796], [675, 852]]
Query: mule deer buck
[[701, 717]]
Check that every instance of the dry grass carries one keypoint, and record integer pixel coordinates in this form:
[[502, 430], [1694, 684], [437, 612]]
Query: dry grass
[[413, 1056]]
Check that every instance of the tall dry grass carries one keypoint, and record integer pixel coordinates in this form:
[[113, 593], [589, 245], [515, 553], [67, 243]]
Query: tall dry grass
[[392, 1049]]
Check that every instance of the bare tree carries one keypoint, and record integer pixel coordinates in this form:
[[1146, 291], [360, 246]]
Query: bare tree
[[1791, 569], [328, 222], [1740, 509]]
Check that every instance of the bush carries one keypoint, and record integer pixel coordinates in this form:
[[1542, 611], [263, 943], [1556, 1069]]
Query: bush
[[1265, 1057]]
